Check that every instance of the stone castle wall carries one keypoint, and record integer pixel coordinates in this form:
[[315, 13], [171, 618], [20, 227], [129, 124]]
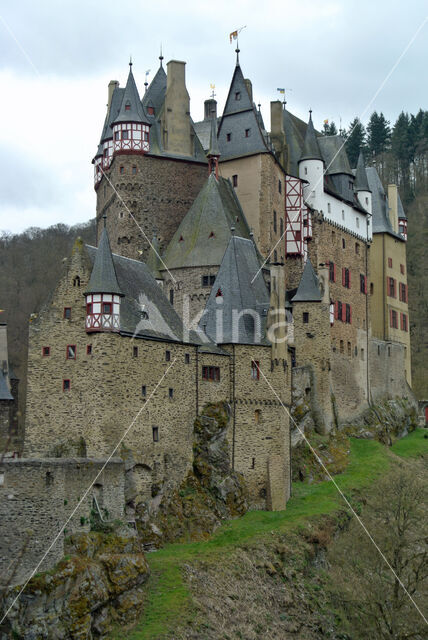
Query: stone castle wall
[[37, 498], [157, 191]]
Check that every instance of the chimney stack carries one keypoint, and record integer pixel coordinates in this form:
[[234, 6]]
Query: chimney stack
[[210, 106], [176, 116], [277, 133], [111, 87], [249, 88]]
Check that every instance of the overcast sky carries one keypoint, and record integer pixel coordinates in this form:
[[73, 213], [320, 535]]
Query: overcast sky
[[56, 59]]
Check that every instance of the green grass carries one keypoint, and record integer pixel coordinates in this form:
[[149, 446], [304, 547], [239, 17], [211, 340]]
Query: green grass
[[413, 445], [169, 600]]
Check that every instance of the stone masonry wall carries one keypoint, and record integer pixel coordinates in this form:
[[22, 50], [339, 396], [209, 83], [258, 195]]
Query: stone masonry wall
[[189, 296], [36, 499], [157, 191], [387, 370]]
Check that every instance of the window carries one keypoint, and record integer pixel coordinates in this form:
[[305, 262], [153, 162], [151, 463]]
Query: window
[[116, 137], [367, 202], [88, 349], [170, 393], [332, 272], [211, 373], [255, 370], [125, 135], [339, 310], [208, 281], [237, 95], [402, 269], [390, 263], [107, 307], [358, 226], [341, 347], [135, 352], [89, 308], [305, 317], [343, 243], [212, 235], [363, 283], [403, 322], [143, 391], [151, 111], [281, 226], [348, 312], [219, 293], [393, 319], [403, 292], [134, 170], [228, 137], [275, 256], [279, 186], [391, 287], [274, 221], [343, 214], [76, 281], [257, 414], [346, 277], [171, 296], [120, 216], [357, 248], [49, 478], [247, 133], [46, 351], [71, 352], [121, 170], [167, 356], [371, 288], [66, 385], [181, 239], [155, 432], [306, 171], [362, 354], [235, 180], [128, 106], [253, 463], [187, 358], [67, 313]]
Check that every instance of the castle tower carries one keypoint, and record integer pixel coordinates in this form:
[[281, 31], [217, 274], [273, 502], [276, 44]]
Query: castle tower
[[131, 126], [103, 293], [361, 185], [311, 165]]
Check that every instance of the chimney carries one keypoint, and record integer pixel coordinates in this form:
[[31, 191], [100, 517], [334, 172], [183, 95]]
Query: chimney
[[176, 116], [393, 206], [210, 106], [277, 133], [111, 87], [249, 88]]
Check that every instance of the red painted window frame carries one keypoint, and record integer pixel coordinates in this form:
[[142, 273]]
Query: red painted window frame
[[255, 370], [64, 313], [88, 349], [89, 308], [390, 263], [75, 352], [212, 374], [46, 355], [391, 281], [110, 305], [393, 319]]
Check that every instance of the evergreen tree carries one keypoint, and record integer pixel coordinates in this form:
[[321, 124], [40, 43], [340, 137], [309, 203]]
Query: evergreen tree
[[378, 134], [402, 149], [329, 129], [355, 141]]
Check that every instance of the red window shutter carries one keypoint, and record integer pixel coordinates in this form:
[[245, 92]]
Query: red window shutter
[[336, 310], [343, 276], [365, 284], [349, 278], [334, 273], [390, 318], [395, 287], [350, 314], [401, 321], [405, 293]]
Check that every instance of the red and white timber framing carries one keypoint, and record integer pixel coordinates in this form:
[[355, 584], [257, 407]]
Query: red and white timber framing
[[298, 222], [131, 136], [102, 312]]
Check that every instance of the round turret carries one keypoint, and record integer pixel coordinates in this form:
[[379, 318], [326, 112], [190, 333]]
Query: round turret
[[131, 127]]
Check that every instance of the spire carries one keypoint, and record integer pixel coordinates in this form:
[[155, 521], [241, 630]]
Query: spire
[[308, 289], [103, 277], [311, 150], [131, 109], [361, 183], [213, 151]]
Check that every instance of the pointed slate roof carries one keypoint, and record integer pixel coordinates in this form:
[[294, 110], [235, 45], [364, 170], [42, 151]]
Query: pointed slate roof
[[311, 149], [103, 277], [234, 292], [155, 94], [380, 207], [334, 154], [131, 99], [361, 182], [116, 101], [308, 289], [204, 233], [400, 210]]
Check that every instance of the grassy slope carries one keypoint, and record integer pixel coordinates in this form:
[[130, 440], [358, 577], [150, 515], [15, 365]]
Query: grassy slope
[[169, 600]]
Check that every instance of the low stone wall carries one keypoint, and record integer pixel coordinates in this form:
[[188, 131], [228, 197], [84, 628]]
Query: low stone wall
[[388, 370], [39, 497]]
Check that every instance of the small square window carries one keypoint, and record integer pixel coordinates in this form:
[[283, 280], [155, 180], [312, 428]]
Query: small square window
[[107, 306], [67, 313], [134, 170], [143, 391], [135, 352], [168, 356], [187, 358], [235, 180], [46, 351], [305, 317], [66, 385], [170, 393], [155, 432], [228, 137], [89, 349], [71, 352], [125, 135], [121, 170]]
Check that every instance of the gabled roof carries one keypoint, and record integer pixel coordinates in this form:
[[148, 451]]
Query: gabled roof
[[334, 155], [311, 149], [308, 289], [155, 94], [361, 182], [204, 233], [235, 292], [103, 277], [380, 208], [131, 109], [237, 86], [400, 210]]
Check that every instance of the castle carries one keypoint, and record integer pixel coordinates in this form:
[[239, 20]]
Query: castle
[[232, 265]]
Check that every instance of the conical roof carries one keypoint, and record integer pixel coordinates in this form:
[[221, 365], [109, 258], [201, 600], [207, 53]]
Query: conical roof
[[155, 94], [311, 149], [240, 293], [361, 183], [308, 289], [103, 277], [203, 234], [131, 109]]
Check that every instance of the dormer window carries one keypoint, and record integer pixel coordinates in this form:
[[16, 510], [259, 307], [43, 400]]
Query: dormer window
[[219, 293], [247, 133], [228, 137], [151, 111], [212, 235], [181, 239], [237, 95], [128, 106]]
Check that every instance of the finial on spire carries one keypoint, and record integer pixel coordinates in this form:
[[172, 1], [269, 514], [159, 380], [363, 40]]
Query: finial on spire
[[161, 56], [105, 220], [310, 113], [232, 230], [130, 62], [237, 50], [259, 106]]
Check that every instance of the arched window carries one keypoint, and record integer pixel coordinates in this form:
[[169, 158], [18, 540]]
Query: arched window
[[76, 281]]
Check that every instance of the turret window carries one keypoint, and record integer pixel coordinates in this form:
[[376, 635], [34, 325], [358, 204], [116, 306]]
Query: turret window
[[67, 313], [125, 134], [128, 106], [89, 308], [279, 186], [228, 137], [107, 307], [235, 180], [305, 317], [46, 351], [247, 133], [117, 135], [151, 111], [155, 432], [255, 370], [237, 95], [71, 352]]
